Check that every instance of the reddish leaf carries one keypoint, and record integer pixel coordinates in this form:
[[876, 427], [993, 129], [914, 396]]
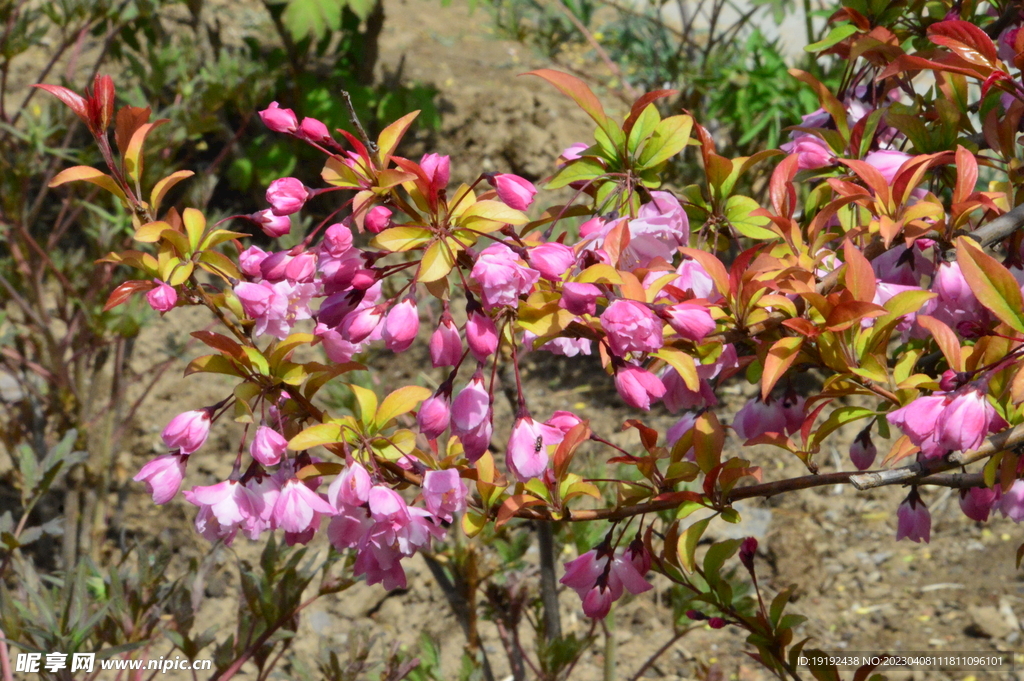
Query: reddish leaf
[[860, 278], [946, 340], [101, 103], [641, 104], [577, 90], [871, 177], [805, 429], [966, 40], [802, 326], [739, 267], [512, 505], [966, 175], [778, 361], [74, 101], [576, 436], [129, 119], [828, 101], [648, 436], [991, 283], [712, 265], [781, 186], [845, 315], [220, 342], [125, 291]]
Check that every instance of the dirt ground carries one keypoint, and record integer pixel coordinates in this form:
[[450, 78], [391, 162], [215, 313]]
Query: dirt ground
[[859, 588]]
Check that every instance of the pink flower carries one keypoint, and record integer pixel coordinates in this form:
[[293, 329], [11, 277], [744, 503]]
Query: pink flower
[[481, 335], [863, 451], [301, 268], [471, 418], [600, 578], [552, 259], [263, 493], [638, 387], [437, 169], [273, 225], [351, 488], [187, 431], [581, 574], [446, 343], [337, 239], [977, 502], [887, 162], [661, 226], [313, 130], [966, 420], [793, 410], [689, 320], [378, 219], [163, 297], [287, 195], [1011, 504], [918, 421], [631, 327], [513, 190], [680, 428], [903, 266], [434, 416], [163, 476], [811, 151], [574, 151], [250, 260], [275, 307], [678, 396], [913, 521], [757, 418], [444, 493], [502, 278], [695, 279], [299, 508], [275, 265], [278, 119], [228, 501], [952, 287], [401, 326], [268, 446], [567, 347], [359, 324], [579, 298], [563, 421], [527, 451]]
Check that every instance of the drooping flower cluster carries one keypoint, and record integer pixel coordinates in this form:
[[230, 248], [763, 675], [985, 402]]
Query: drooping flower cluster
[[601, 576]]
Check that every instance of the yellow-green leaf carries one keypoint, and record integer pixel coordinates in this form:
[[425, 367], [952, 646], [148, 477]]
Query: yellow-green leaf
[[316, 435], [438, 261], [399, 239], [165, 185], [991, 283], [686, 547], [401, 401], [88, 174], [367, 401]]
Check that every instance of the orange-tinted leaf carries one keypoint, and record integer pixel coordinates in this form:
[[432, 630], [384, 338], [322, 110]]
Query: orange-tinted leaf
[[966, 40], [125, 291], [88, 174], [966, 175], [712, 265], [220, 342], [947, 341], [577, 90], [860, 278], [778, 361], [390, 136], [163, 186], [828, 101], [566, 449], [74, 101], [129, 119], [511, 506], [131, 162], [641, 104], [845, 315]]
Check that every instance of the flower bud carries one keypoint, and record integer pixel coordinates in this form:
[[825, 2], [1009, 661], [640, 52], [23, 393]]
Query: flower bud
[[716, 622], [272, 225], [378, 219], [187, 431], [338, 239], [401, 326], [278, 119], [163, 297], [748, 549], [434, 416], [481, 335], [313, 130], [551, 260], [268, 446], [514, 191], [445, 343], [863, 451], [250, 259], [696, 615], [287, 195]]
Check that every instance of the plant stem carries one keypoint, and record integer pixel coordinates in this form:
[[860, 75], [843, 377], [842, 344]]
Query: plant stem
[[548, 584]]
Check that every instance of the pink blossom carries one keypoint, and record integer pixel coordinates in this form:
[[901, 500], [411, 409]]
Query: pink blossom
[[563, 421], [481, 335], [163, 297], [263, 493], [278, 119], [446, 343], [581, 574], [579, 298], [437, 168], [313, 130], [638, 387], [1011, 503], [275, 265], [210, 528], [695, 279], [631, 327], [444, 493], [527, 451], [600, 578], [275, 307], [913, 521], [268, 446], [887, 162], [691, 321], [574, 151], [359, 324], [187, 431], [250, 260], [757, 418], [301, 268], [163, 476], [401, 326], [567, 347], [471, 418], [661, 226], [434, 416], [552, 259], [514, 191], [811, 151], [351, 488], [501, 277], [978, 502], [349, 527], [287, 195], [863, 451], [793, 410], [273, 225], [678, 396], [228, 501], [680, 428], [903, 266], [378, 219], [299, 508], [966, 420], [918, 420], [952, 287], [337, 239]]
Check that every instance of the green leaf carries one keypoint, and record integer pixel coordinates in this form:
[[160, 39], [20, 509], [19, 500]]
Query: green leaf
[[580, 170], [836, 35], [738, 211], [687, 545], [991, 283], [669, 138], [312, 17], [319, 434]]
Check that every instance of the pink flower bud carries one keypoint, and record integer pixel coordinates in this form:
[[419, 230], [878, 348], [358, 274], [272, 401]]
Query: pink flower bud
[[268, 446], [913, 521], [748, 549], [887, 162], [598, 602], [691, 321], [401, 326], [250, 259], [552, 260], [574, 151], [313, 130], [273, 225], [351, 488], [481, 335], [444, 493], [471, 417], [187, 431], [579, 298], [163, 476], [757, 418], [811, 151], [1011, 504], [513, 190], [378, 219], [563, 421], [631, 327], [952, 287], [437, 169], [978, 502], [287, 195], [338, 239], [274, 267], [918, 421], [716, 622], [638, 387], [278, 119], [434, 416], [358, 325], [863, 451], [301, 268], [967, 420], [445, 343], [163, 297], [364, 279]]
